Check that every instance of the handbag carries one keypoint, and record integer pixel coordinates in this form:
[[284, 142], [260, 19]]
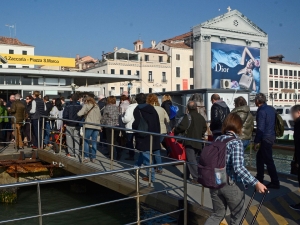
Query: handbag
[[84, 117], [183, 134], [245, 81]]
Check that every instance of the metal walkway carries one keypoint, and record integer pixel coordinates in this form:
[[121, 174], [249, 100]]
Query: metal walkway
[[275, 211]]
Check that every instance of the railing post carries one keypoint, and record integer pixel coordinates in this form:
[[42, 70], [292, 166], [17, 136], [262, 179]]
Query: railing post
[[250, 155], [39, 141], [43, 131], [39, 204], [83, 140], [137, 182], [150, 159], [112, 149], [185, 205], [202, 196], [60, 140]]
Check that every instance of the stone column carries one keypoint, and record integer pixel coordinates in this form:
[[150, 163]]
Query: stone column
[[197, 62], [264, 76]]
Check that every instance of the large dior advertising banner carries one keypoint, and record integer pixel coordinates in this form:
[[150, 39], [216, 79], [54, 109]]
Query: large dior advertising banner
[[239, 64]]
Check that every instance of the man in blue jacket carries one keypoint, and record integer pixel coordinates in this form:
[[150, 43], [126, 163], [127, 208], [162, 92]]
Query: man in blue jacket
[[264, 140]]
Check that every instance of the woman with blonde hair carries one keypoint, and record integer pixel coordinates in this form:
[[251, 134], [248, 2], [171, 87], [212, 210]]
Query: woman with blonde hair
[[90, 110], [167, 105], [164, 122]]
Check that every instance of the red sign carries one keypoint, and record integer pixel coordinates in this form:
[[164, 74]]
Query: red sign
[[185, 84]]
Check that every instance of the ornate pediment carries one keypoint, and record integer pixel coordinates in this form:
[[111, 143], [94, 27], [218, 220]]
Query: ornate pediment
[[235, 22]]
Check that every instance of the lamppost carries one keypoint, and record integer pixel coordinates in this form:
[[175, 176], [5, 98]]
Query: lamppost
[[295, 98], [129, 85]]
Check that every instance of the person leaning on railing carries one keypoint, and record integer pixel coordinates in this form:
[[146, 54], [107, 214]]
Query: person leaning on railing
[[243, 110], [91, 112], [232, 195]]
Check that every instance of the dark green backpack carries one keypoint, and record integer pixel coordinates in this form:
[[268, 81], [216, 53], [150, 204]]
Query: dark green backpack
[[279, 125]]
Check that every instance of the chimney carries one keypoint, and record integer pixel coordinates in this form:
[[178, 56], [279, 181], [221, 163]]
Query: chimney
[[153, 44], [77, 57]]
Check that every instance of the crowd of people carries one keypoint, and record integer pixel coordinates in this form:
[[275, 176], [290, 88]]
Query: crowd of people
[[145, 113]]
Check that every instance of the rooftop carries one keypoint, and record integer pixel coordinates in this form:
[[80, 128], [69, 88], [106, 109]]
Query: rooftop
[[151, 50], [178, 41], [12, 41], [278, 59]]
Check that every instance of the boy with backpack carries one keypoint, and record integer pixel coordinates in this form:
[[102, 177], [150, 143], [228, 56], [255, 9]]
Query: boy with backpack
[[221, 168]]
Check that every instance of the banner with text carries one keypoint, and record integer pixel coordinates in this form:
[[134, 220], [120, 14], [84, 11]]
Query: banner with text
[[239, 64], [38, 60]]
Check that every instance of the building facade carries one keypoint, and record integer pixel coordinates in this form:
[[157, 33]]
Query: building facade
[[284, 81], [14, 46], [151, 65], [230, 51]]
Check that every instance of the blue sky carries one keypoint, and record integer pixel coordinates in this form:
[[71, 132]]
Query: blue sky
[[70, 27]]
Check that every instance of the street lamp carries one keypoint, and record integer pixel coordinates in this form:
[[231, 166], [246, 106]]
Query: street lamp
[[129, 85], [295, 98]]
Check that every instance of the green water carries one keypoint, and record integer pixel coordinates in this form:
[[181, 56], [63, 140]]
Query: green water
[[60, 196]]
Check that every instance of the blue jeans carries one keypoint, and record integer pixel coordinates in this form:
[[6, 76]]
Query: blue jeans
[[90, 133], [47, 129], [157, 159], [144, 158], [245, 143]]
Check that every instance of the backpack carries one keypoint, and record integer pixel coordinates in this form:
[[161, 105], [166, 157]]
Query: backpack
[[279, 125], [143, 126], [185, 132], [173, 111], [212, 157]]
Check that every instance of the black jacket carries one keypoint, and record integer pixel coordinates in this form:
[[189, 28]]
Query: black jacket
[[39, 110], [219, 112], [70, 113], [151, 117], [196, 130], [101, 105], [297, 140], [166, 105]]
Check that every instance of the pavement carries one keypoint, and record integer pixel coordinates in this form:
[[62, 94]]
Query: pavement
[[275, 209]]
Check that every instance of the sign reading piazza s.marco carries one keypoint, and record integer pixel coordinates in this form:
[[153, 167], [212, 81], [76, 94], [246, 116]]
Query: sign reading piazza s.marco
[[38, 60]]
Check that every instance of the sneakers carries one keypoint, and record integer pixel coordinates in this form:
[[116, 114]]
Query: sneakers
[[159, 171], [86, 160], [71, 156], [273, 186], [295, 207]]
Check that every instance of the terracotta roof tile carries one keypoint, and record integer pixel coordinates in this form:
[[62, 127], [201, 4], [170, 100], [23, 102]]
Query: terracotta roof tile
[[177, 45], [151, 50], [180, 37], [11, 41]]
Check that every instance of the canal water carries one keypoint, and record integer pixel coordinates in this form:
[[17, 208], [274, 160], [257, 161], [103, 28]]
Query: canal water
[[67, 195]]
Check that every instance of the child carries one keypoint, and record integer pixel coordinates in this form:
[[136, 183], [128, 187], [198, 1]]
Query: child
[[295, 113]]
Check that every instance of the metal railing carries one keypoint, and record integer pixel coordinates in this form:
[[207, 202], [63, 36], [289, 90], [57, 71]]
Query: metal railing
[[14, 129], [137, 195]]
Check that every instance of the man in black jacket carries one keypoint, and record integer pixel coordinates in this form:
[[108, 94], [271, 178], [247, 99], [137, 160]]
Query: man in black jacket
[[149, 114], [194, 125], [73, 128], [218, 113]]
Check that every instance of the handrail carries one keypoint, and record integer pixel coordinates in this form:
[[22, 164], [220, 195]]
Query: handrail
[[40, 215]]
